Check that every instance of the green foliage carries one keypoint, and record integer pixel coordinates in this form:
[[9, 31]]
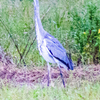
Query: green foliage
[[84, 29], [18, 18], [75, 24]]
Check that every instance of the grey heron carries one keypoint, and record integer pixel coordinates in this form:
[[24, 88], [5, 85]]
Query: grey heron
[[49, 47]]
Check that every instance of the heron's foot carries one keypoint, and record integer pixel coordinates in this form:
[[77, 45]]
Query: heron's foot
[[52, 84], [48, 83]]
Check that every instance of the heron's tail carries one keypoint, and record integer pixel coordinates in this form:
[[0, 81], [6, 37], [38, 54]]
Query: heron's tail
[[71, 65]]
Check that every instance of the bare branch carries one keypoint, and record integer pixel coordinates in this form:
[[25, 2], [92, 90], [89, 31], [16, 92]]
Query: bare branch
[[12, 40], [30, 46]]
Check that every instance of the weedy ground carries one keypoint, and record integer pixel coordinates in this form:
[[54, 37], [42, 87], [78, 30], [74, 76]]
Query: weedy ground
[[31, 84]]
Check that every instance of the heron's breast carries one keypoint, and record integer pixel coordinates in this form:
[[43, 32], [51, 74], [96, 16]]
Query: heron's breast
[[44, 52]]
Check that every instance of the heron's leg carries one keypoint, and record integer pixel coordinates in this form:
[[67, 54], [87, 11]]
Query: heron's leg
[[49, 76], [62, 76]]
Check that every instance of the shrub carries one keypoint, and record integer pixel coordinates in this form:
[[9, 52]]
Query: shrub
[[84, 30]]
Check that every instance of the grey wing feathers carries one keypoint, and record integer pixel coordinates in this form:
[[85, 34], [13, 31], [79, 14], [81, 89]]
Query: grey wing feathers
[[54, 40], [57, 50]]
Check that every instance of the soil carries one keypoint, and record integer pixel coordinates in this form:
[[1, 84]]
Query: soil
[[39, 75]]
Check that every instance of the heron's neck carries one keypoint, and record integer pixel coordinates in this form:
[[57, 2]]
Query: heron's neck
[[37, 19], [38, 25]]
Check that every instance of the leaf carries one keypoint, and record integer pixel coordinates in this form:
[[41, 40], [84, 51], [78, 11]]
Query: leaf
[[94, 30], [81, 96], [96, 44]]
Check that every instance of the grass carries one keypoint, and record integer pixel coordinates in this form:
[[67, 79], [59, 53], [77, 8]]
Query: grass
[[87, 91]]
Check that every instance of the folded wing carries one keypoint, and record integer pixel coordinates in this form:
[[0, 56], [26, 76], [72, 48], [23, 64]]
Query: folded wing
[[56, 50]]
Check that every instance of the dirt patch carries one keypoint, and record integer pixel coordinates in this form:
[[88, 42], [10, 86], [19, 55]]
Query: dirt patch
[[35, 75]]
